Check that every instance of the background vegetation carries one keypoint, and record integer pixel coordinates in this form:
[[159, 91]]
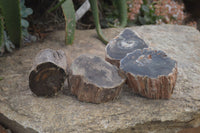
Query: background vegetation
[[34, 19]]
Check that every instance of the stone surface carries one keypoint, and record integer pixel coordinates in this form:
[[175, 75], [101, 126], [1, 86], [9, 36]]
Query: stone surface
[[21, 111]]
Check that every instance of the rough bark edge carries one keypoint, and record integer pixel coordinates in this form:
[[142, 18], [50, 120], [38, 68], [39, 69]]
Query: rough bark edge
[[112, 61], [60, 54], [80, 88], [45, 64], [156, 88], [34, 77]]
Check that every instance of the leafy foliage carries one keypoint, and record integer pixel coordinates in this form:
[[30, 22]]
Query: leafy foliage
[[172, 11], [114, 13], [155, 12], [25, 12], [147, 14], [15, 24], [6, 44], [109, 17]]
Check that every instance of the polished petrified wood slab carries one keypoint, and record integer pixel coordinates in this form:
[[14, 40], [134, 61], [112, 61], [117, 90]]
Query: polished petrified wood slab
[[94, 80], [127, 41], [150, 73]]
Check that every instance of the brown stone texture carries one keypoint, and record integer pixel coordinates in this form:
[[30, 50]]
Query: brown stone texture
[[127, 41], [94, 80], [2, 130], [156, 88], [112, 61], [150, 73], [190, 130], [48, 72], [130, 112]]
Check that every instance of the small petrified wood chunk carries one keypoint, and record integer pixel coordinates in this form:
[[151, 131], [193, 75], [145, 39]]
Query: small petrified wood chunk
[[127, 41], [3, 130], [94, 80], [150, 73], [48, 72]]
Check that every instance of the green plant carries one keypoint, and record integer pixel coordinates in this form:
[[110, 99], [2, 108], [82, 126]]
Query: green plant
[[155, 12], [13, 24], [70, 23], [95, 12], [147, 14], [134, 9], [1, 30], [172, 12], [109, 17], [114, 15], [69, 13], [10, 26], [10, 12], [122, 9], [5, 42], [25, 12]]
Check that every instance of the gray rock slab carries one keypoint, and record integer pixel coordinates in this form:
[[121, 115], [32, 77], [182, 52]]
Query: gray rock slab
[[21, 111]]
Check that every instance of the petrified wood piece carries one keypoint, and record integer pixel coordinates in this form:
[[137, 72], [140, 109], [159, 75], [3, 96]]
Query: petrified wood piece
[[48, 72], [150, 73], [94, 80], [3, 130], [127, 41]]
